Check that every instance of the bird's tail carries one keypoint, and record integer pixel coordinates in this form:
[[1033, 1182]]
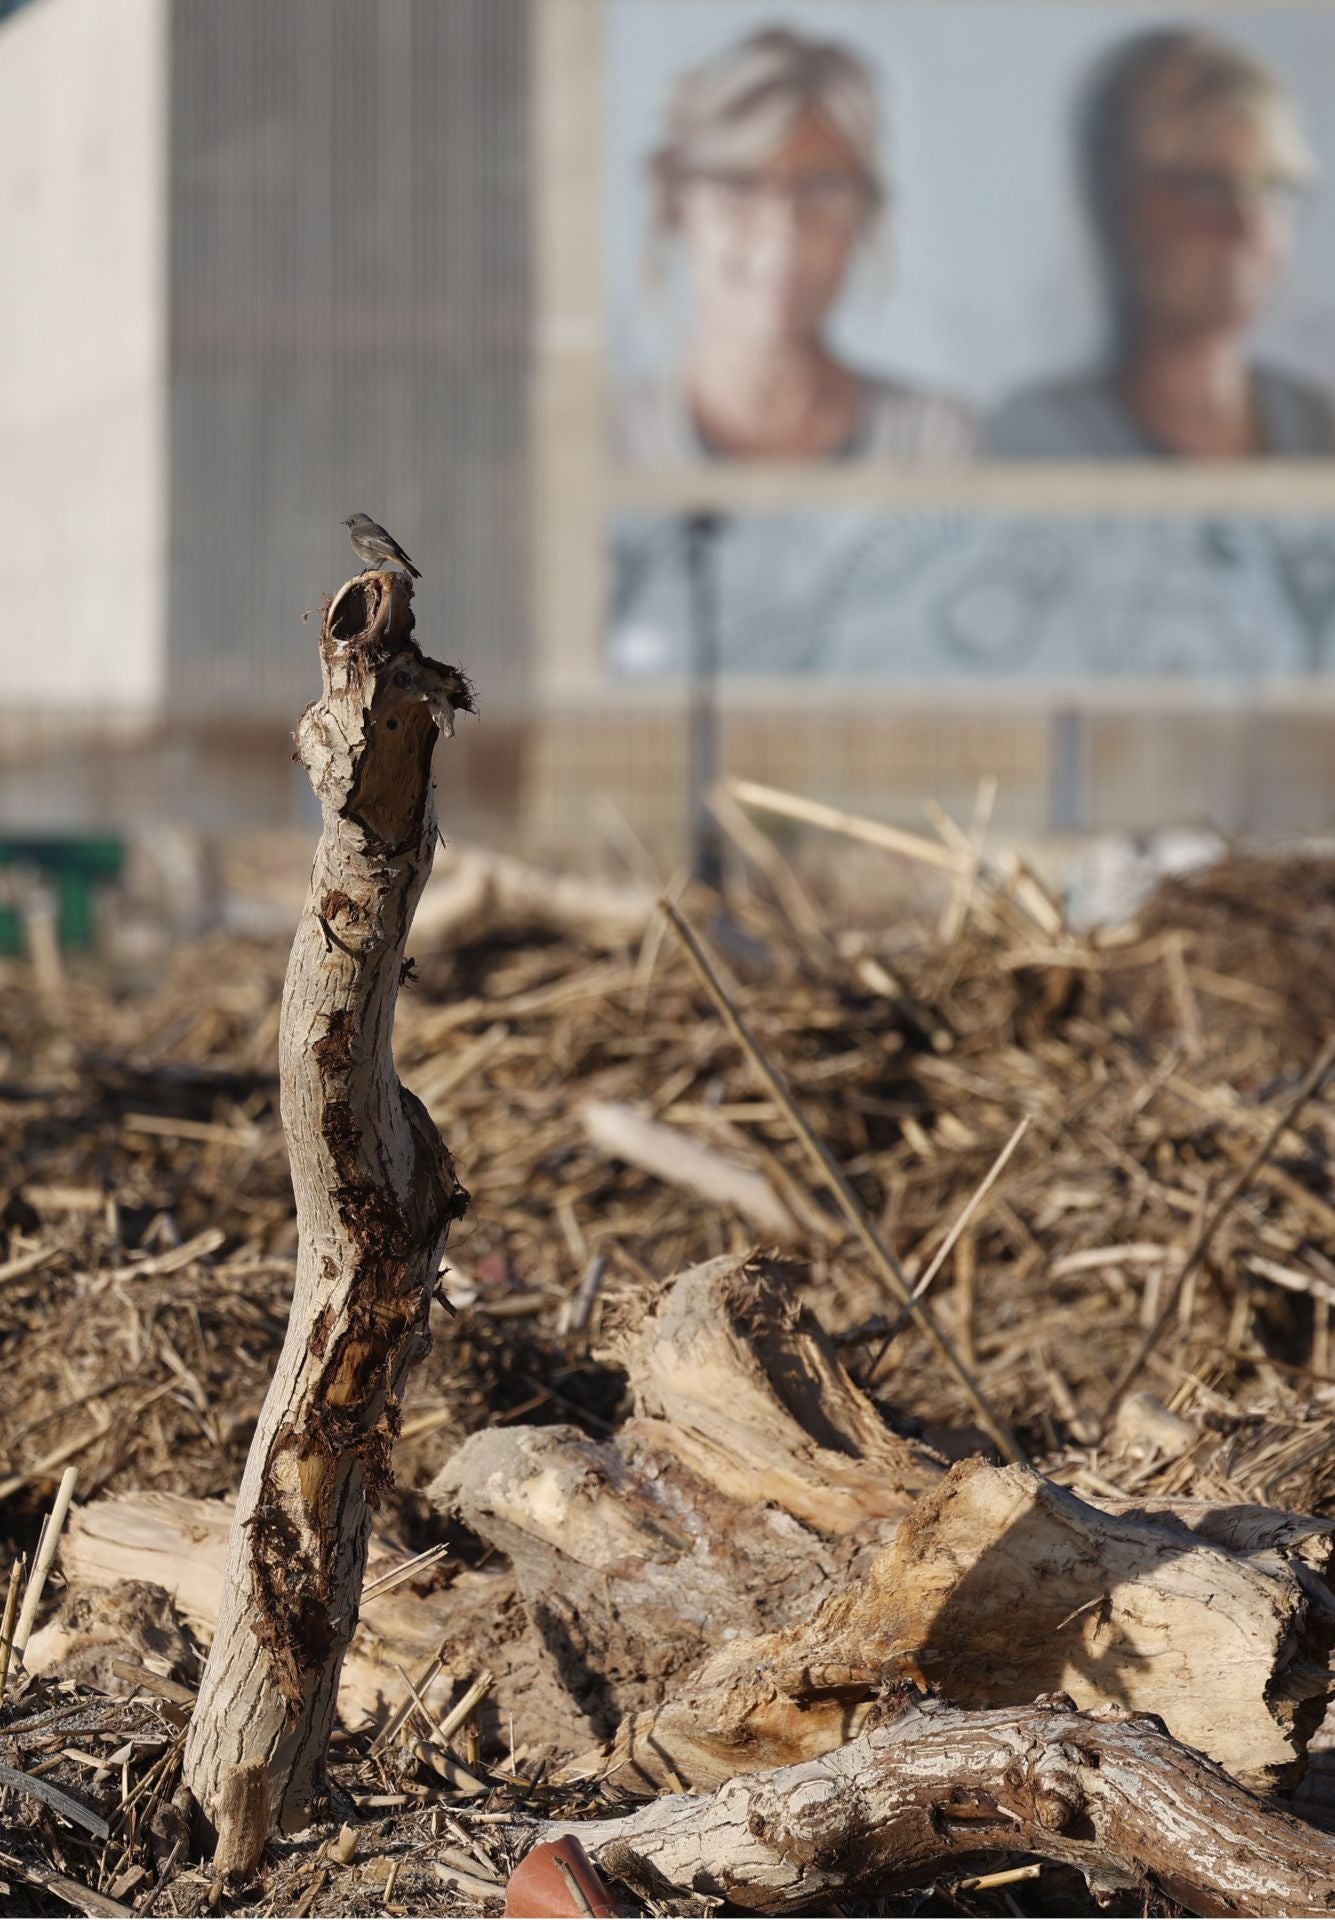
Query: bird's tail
[[411, 568]]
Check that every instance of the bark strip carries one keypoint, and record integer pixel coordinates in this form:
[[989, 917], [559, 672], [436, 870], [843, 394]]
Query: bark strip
[[375, 1195]]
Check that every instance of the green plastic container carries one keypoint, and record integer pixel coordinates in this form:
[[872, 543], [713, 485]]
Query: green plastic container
[[75, 868]]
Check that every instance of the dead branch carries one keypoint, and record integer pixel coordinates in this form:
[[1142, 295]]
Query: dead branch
[[674, 1157], [934, 1789], [375, 1195]]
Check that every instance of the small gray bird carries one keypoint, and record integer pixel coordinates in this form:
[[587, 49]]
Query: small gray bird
[[373, 545]]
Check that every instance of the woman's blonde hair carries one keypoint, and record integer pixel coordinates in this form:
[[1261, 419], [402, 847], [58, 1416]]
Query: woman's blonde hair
[[737, 108]]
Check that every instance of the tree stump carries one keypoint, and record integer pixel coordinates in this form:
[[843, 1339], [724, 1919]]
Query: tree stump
[[375, 1196]]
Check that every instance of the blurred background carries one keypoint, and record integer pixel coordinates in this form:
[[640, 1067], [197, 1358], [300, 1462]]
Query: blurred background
[[877, 400]]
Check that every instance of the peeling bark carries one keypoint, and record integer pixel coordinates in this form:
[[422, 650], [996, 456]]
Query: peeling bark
[[243, 1821], [375, 1195], [932, 1789]]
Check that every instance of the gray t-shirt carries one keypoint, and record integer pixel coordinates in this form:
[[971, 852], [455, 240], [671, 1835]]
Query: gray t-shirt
[[1086, 420], [652, 426]]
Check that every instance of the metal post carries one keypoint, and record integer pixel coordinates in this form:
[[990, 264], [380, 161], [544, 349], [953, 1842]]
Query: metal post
[[1066, 778], [703, 766]]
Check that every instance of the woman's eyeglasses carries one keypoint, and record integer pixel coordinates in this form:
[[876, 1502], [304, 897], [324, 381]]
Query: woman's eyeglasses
[[813, 196]]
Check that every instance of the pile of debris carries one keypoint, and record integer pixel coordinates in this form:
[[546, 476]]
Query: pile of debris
[[668, 1509]]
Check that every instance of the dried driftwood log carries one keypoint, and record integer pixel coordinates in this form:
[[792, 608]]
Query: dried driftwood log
[[690, 1571], [736, 1377], [177, 1546], [993, 1586], [751, 1484], [930, 1789], [1000, 1587], [174, 1547], [631, 1567], [375, 1195]]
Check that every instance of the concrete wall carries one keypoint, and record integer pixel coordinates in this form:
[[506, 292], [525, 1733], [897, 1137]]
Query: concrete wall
[[82, 354]]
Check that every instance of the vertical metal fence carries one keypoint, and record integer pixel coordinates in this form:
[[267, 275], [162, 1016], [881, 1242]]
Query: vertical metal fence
[[349, 299]]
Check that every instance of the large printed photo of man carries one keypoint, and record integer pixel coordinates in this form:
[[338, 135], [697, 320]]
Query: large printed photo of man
[[770, 178], [1193, 161]]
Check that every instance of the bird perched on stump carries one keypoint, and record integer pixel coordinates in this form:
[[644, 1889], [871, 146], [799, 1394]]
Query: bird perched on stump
[[374, 546]]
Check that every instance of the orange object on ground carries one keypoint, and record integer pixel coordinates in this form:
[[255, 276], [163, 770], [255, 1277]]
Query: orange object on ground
[[557, 1879]]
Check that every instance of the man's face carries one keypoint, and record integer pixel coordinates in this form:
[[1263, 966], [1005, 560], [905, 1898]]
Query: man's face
[[769, 245], [1209, 225]]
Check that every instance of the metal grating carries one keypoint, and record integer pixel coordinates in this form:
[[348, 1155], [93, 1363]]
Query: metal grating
[[349, 293]]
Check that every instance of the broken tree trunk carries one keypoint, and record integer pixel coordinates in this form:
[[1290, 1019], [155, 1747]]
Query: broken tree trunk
[[375, 1195], [931, 1789]]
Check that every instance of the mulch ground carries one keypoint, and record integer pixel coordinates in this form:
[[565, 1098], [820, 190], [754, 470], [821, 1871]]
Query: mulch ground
[[147, 1246]]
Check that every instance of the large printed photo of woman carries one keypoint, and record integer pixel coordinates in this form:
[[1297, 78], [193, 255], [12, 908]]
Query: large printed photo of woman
[[770, 179]]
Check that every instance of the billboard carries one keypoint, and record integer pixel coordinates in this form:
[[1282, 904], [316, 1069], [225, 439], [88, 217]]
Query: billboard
[[976, 356], [925, 233]]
